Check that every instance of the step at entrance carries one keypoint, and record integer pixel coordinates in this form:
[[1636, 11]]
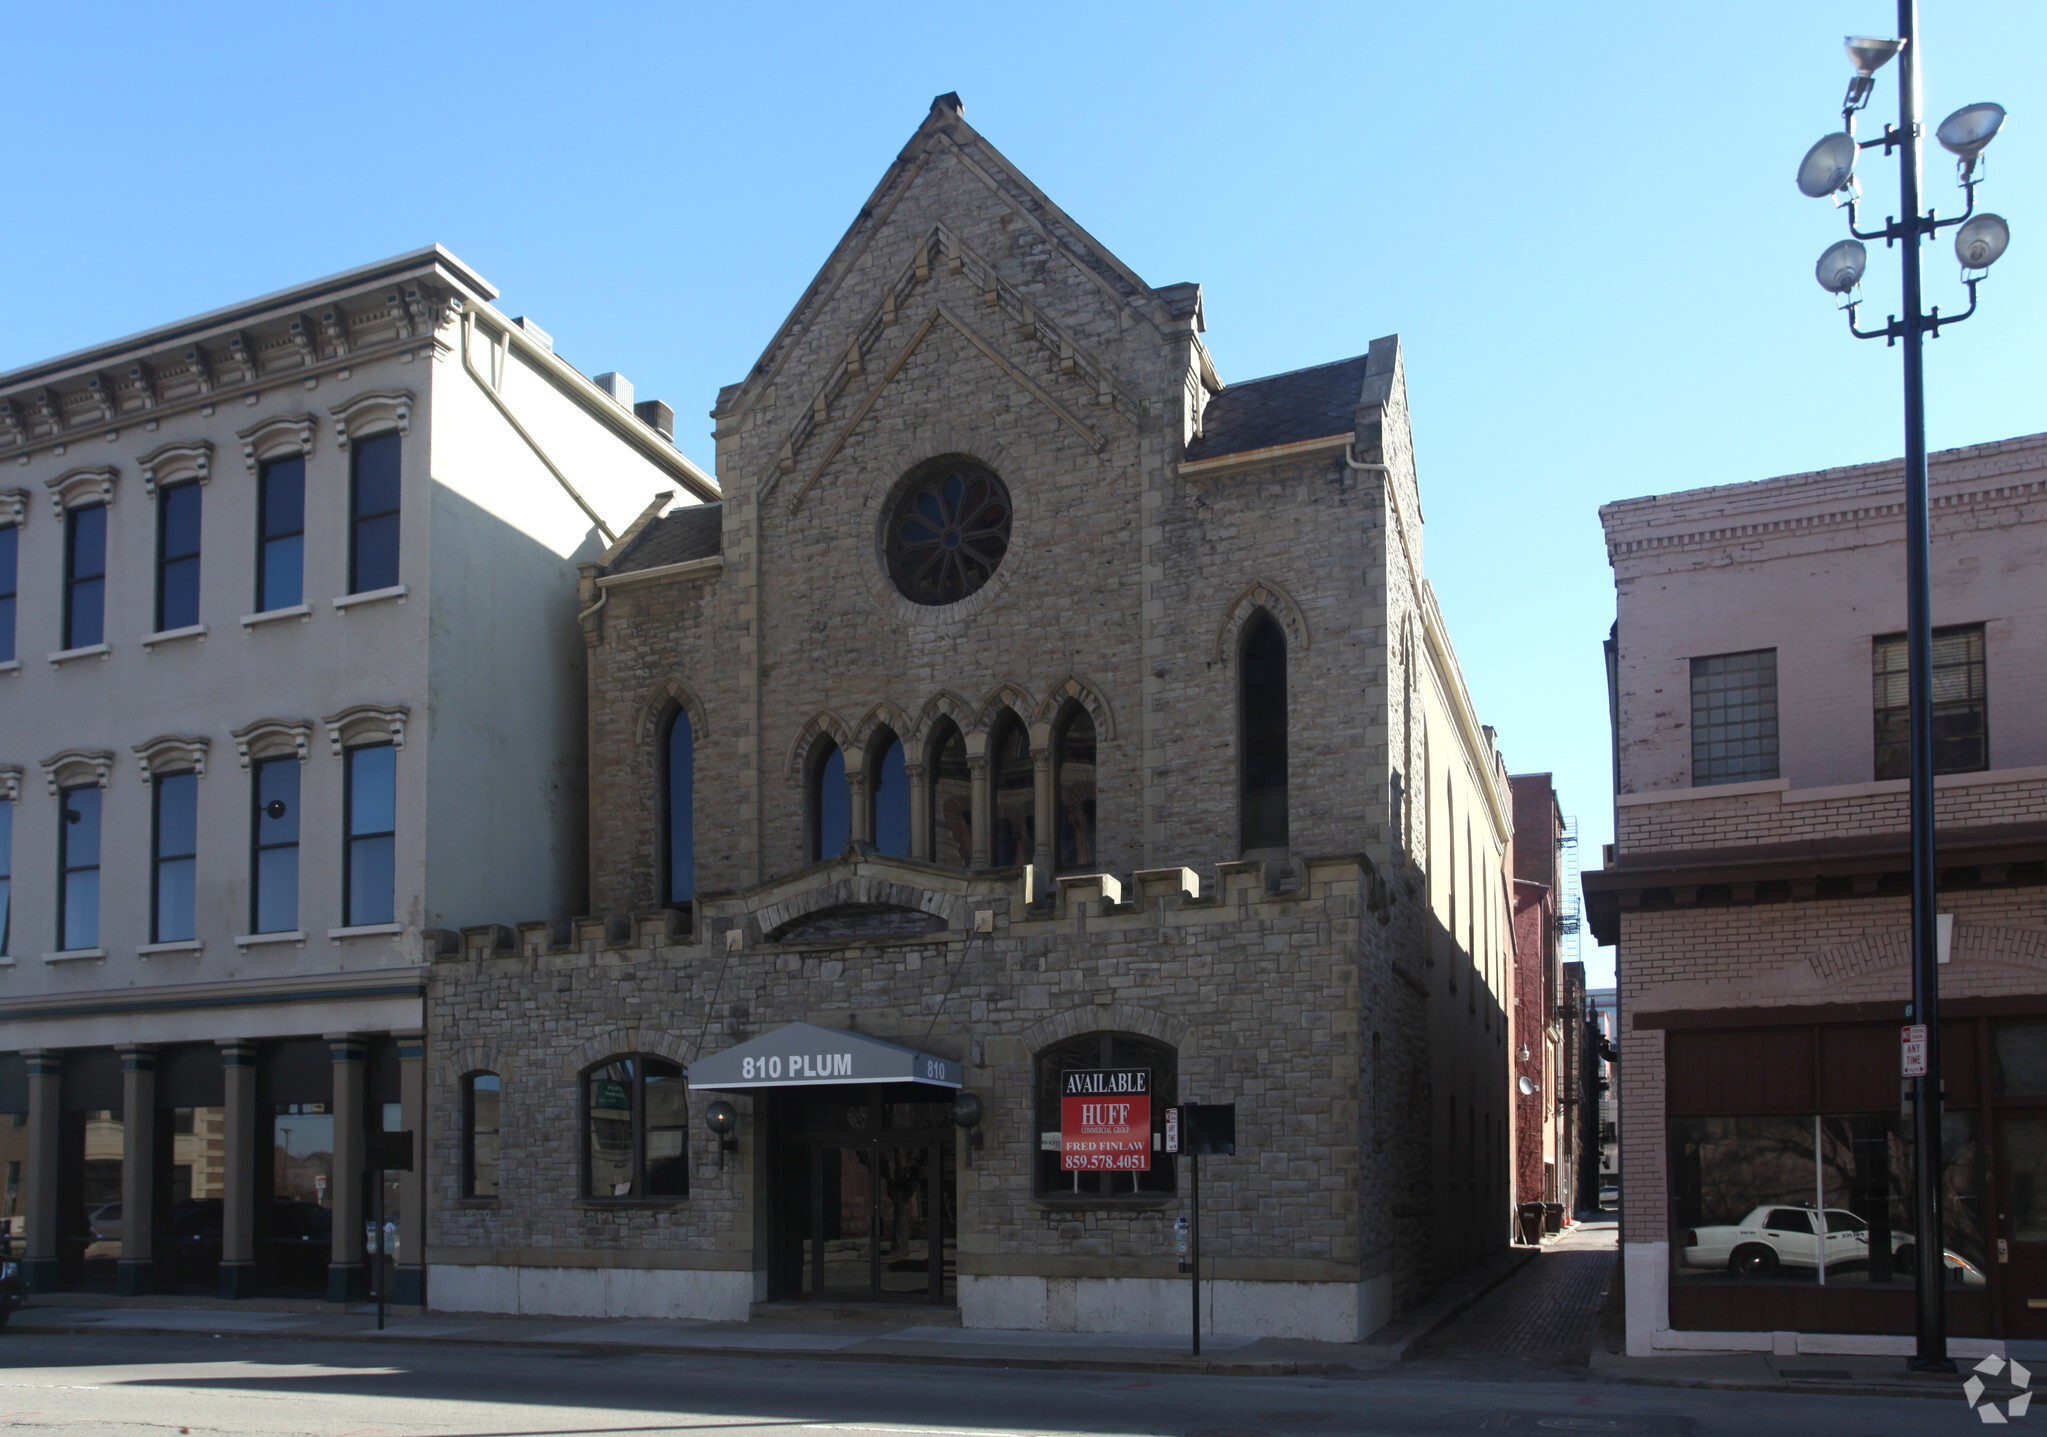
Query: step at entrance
[[907, 1314]]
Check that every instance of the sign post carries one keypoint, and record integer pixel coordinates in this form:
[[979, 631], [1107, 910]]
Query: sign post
[[382, 1153], [1202, 1128]]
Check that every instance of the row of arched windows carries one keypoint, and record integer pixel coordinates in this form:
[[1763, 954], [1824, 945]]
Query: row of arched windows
[[926, 806]]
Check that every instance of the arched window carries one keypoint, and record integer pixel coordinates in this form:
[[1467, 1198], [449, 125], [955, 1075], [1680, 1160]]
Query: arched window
[[635, 1122], [1261, 714], [888, 793], [952, 797], [831, 821], [480, 1135], [1073, 791], [680, 802], [1012, 828], [1112, 1053]]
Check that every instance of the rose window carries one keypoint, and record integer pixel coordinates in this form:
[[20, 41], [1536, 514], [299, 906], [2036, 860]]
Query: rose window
[[948, 534]]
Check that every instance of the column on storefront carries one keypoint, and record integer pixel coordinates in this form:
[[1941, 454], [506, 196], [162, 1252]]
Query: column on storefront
[[347, 1277], [238, 1181], [45, 1099], [135, 1272]]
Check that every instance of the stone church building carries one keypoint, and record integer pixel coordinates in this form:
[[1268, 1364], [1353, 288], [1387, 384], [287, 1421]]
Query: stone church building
[[1036, 711]]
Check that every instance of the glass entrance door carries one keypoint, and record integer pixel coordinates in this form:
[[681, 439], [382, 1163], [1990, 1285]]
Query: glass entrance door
[[867, 1209]]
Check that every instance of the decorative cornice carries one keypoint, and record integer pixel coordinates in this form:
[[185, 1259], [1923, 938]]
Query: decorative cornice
[[362, 414], [84, 485], [171, 752], [277, 437], [366, 723], [10, 782], [272, 738], [180, 459], [1829, 520], [73, 767], [13, 508]]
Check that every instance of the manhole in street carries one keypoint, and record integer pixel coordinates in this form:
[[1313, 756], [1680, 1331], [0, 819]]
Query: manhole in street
[[1589, 1424], [1295, 1416]]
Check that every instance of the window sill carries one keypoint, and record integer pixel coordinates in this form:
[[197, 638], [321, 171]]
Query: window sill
[[366, 930], [257, 940], [90, 651], [146, 951], [166, 636], [12, 666], [1080, 1202], [73, 955], [600, 1204], [372, 596], [301, 612], [476, 1202]]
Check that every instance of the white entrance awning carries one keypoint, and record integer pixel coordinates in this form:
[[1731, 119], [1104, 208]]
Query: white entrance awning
[[805, 1055]]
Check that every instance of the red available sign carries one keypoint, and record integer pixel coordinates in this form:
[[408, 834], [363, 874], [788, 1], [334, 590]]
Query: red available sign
[[1105, 1121]]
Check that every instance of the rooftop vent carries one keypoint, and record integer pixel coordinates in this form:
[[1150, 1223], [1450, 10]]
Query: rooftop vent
[[657, 417], [535, 333], [617, 386]]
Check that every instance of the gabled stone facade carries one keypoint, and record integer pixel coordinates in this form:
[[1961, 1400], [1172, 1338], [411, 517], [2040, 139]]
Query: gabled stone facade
[[1342, 986]]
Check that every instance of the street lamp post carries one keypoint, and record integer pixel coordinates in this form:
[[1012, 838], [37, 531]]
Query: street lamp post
[[1829, 170]]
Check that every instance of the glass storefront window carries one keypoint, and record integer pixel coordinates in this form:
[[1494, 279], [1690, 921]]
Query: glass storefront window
[[636, 1129], [1816, 1199], [189, 1194], [89, 1227]]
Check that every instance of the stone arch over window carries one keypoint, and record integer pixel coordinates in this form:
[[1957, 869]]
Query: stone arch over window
[[1115, 1050], [818, 761], [635, 1127], [365, 724], [861, 892], [1012, 788], [1074, 689], [1261, 595], [283, 436], [178, 460], [660, 705], [1012, 698], [273, 738], [944, 799], [76, 488], [78, 768], [374, 412], [1262, 726], [172, 753]]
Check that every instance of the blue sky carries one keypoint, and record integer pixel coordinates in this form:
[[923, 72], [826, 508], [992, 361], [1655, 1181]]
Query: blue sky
[[1580, 219]]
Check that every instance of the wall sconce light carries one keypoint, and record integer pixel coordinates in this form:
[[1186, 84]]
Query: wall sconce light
[[723, 1121], [966, 1113]]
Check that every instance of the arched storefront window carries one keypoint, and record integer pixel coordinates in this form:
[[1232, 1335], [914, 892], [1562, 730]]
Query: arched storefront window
[[1104, 1052], [1262, 734], [888, 790], [831, 819], [952, 798], [635, 1129], [680, 802], [1012, 829], [1073, 792]]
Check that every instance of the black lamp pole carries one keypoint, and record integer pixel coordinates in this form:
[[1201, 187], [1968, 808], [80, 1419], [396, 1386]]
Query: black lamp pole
[[1931, 1277]]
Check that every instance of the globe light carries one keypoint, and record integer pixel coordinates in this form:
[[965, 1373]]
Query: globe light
[[1970, 128], [1840, 268], [1981, 242], [1827, 167]]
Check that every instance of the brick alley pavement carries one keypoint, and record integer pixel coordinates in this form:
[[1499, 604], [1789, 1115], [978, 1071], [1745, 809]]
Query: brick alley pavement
[[1547, 1313]]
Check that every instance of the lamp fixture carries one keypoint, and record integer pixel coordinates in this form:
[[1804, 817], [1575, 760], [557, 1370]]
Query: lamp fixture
[[1981, 242], [722, 1118], [1840, 268], [966, 1115], [1828, 166]]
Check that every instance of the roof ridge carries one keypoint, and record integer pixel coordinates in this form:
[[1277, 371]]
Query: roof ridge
[[1304, 369]]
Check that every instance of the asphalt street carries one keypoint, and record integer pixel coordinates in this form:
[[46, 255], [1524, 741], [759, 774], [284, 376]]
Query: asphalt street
[[108, 1384]]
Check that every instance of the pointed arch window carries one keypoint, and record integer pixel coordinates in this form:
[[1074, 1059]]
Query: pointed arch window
[[679, 801], [1012, 831], [952, 798], [1073, 791], [888, 795], [831, 818], [1262, 730]]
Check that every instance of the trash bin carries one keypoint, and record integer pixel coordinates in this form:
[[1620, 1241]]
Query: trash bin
[[1553, 1217], [1531, 1215]]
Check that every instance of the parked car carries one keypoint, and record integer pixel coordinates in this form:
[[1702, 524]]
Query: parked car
[[1777, 1236], [1609, 1197], [13, 1291]]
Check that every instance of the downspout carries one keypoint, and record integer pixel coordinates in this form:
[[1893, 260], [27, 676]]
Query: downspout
[[469, 363]]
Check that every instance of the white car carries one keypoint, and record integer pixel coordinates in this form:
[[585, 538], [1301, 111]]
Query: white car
[[1774, 1237]]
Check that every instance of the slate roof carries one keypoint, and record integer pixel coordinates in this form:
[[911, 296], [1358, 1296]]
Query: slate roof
[[691, 532], [1282, 409]]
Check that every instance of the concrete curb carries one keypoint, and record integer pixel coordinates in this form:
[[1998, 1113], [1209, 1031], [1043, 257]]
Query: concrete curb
[[1190, 1366], [1802, 1387]]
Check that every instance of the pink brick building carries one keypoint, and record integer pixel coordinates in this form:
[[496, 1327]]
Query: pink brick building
[[1758, 894]]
